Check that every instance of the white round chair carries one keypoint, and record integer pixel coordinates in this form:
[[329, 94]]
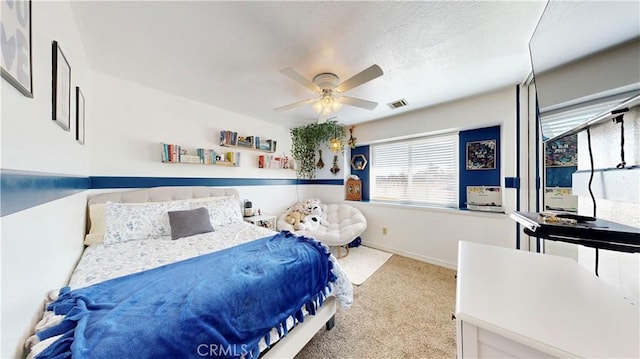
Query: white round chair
[[345, 223]]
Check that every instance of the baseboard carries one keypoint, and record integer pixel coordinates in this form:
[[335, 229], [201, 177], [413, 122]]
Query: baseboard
[[411, 255]]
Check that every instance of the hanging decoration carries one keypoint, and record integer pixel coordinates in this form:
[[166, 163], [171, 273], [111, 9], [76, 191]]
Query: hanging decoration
[[335, 145], [352, 140], [335, 169], [320, 163]]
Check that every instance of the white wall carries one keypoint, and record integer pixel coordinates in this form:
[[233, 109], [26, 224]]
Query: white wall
[[580, 80], [40, 245], [432, 235], [620, 270], [129, 121], [31, 140]]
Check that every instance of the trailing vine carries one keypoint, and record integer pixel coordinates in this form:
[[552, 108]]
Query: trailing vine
[[305, 140]]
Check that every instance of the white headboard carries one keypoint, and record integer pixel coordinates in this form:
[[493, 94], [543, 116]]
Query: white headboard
[[162, 194], [158, 194]]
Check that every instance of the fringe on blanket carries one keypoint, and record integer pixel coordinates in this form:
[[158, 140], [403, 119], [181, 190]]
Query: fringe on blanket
[[311, 306]]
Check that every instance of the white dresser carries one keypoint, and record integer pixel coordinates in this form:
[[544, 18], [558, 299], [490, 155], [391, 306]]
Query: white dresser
[[512, 303]]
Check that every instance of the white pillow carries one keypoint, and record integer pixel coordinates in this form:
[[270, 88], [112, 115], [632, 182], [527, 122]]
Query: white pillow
[[96, 224], [130, 221], [223, 211]]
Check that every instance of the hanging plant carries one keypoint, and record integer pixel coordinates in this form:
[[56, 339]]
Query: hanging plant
[[305, 141]]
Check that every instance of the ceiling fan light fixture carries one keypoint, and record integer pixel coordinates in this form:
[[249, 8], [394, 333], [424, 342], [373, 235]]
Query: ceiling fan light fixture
[[327, 105], [327, 84]]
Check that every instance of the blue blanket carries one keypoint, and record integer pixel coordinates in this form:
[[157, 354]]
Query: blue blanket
[[219, 304]]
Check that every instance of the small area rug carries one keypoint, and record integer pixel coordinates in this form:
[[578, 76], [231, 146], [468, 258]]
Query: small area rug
[[362, 262]]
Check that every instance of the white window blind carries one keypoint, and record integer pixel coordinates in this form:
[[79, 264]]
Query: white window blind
[[416, 171]]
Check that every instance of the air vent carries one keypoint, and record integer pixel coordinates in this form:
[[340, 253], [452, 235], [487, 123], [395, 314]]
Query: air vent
[[396, 104]]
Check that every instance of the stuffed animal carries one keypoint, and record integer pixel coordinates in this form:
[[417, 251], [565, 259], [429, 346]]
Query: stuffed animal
[[306, 215], [293, 218], [315, 210], [296, 207], [309, 205], [310, 223]]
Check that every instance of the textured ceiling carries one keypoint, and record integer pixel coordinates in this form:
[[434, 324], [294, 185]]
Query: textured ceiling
[[228, 54]]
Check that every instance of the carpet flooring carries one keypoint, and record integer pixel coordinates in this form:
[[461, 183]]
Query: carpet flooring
[[402, 311]]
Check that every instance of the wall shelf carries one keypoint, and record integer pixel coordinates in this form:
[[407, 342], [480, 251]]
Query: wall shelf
[[225, 164], [177, 154], [255, 143], [245, 148]]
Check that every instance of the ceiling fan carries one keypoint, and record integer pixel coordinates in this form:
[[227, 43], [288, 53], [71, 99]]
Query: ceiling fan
[[330, 89]]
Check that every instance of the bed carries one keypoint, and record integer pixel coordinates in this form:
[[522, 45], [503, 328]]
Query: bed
[[139, 293]]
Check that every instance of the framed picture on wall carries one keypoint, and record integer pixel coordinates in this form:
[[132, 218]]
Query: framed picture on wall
[[61, 88], [16, 45], [562, 152], [481, 155], [79, 116]]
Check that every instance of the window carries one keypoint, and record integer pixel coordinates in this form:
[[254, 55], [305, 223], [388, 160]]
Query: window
[[420, 171]]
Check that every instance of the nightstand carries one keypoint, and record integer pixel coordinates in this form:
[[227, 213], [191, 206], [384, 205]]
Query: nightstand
[[262, 220]]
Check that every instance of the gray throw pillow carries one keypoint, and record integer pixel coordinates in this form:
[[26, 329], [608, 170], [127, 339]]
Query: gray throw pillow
[[189, 223]]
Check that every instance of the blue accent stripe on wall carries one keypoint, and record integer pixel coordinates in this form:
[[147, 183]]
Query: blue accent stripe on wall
[[336, 182], [100, 182], [20, 190]]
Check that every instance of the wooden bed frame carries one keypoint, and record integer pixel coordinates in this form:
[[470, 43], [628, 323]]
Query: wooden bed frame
[[299, 336]]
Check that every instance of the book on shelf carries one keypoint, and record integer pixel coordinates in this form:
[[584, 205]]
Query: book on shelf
[[207, 156], [266, 145], [272, 145], [233, 158], [273, 161], [177, 154], [231, 138], [170, 152], [228, 138], [228, 159], [244, 143]]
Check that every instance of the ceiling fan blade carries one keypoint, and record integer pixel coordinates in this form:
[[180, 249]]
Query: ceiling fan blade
[[368, 74], [296, 104], [295, 76], [352, 101]]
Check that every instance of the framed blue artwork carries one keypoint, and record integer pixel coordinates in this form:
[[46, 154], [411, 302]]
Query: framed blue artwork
[[481, 155]]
